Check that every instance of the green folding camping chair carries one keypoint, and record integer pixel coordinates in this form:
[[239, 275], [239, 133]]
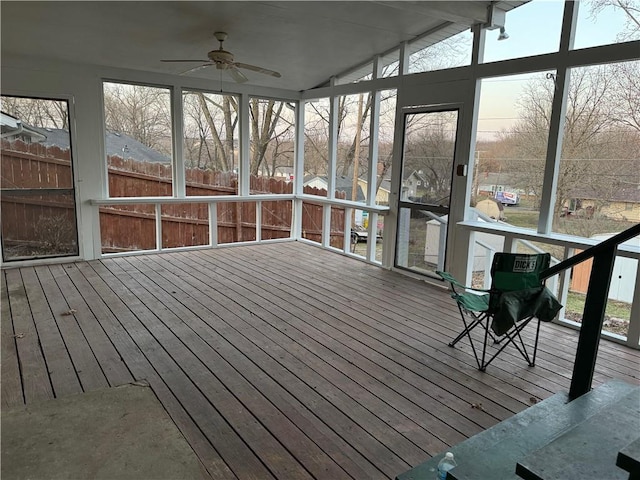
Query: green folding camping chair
[[517, 296]]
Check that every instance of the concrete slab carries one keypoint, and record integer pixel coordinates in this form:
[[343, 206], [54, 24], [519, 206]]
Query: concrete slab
[[117, 433]]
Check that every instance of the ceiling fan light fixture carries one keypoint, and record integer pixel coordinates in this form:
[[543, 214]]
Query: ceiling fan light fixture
[[220, 56]]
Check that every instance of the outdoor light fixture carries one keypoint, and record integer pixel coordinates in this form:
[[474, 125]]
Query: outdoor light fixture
[[496, 18], [503, 35]]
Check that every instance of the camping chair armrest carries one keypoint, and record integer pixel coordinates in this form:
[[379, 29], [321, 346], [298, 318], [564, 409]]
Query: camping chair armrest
[[449, 278]]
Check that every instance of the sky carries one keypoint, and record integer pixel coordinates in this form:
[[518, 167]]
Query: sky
[[534, 29]]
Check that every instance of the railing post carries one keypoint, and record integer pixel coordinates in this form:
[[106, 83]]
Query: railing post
[[592, 319]]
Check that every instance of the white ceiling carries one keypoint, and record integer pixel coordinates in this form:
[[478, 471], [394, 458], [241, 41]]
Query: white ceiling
[[306, 41]]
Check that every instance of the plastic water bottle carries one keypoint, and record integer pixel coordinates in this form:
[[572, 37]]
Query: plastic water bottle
[[446, 464]]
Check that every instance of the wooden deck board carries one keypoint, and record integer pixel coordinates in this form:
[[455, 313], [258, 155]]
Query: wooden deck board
[[142, 370], [11, 385], [135, 319], [36, 383], [81, 355], [231, 334], [111, 365], [279, 360], [63, 374], [237, 371]]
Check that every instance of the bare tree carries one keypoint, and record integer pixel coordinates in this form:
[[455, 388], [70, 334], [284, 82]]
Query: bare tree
[[219, 113], [625, 96], [429, 150], [593, 158], [38, 112], [631, 10], [141, 112]]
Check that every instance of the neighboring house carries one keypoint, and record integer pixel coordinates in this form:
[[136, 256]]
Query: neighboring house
[[284, 172], [382, 195], [622, 204], [414, 185], [12, 128], [343, 184], [117, 144]]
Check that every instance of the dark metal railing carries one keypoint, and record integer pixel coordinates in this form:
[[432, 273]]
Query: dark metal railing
[[604, 255]]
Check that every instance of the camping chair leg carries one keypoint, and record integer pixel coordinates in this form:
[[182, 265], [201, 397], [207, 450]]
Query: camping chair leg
[[523, 352], [535, 345], [483, 366], [511, 337], [467, 331], [467, 328]]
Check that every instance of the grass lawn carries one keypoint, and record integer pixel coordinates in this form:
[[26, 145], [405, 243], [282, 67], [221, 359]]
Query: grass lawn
[[616, 309], [522, 218]]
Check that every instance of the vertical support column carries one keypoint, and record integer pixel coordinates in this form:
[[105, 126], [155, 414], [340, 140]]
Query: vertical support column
[[633, 334], [509, 244], [372, 174], [258, 221], [179, 181], [403, 66], [245, 167], [331, 180], [213, 224], [298, 172], [374, 130], [158, 208], [296, 219], [556, 124], [592, 319], [346, 247], [333, 145], [461, 251], [96, 234], [372, 244], [326, 225]]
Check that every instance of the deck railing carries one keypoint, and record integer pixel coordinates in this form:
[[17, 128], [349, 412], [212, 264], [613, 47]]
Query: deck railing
[[603, 255]]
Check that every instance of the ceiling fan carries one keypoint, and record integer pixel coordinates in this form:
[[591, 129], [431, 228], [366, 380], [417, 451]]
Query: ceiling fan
[[223, 60]]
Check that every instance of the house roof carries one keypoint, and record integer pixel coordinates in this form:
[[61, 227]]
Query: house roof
[[627, 194], [117, 144], [343, 184], [493, 178], [414, 173], [11, 126]]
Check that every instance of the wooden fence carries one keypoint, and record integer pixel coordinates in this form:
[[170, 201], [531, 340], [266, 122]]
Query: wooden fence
[[132, 227]]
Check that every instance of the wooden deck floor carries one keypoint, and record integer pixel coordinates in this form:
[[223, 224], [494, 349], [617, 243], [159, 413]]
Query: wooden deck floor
[[280, 360]]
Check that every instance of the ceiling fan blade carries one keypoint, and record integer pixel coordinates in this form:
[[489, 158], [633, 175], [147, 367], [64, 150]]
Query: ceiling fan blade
[[199, 67], [254, 68], [236, 74], [182, 61]]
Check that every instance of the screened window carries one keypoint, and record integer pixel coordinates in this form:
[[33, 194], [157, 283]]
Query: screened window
[[271, 144], [210, 143], [511, 146], [138, 140], [532, 29], [38, 197]]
